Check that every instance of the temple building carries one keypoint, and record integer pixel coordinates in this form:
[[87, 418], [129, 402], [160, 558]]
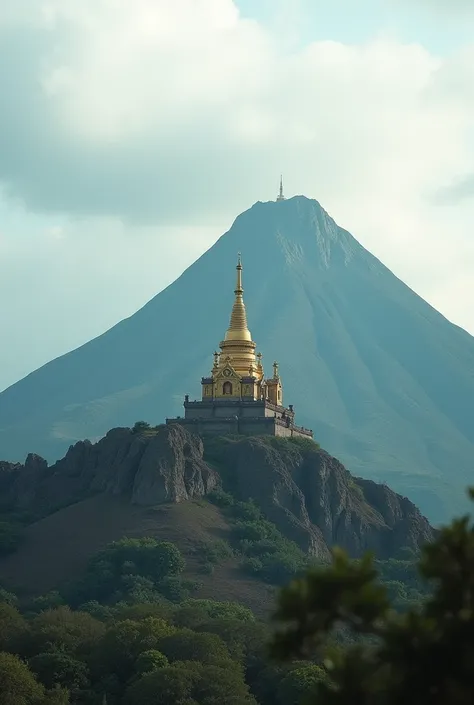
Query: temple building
[[236, 397]]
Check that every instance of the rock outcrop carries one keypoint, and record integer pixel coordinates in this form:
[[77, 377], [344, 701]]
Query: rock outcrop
[[316, 502], [165, 465], [307, 493]]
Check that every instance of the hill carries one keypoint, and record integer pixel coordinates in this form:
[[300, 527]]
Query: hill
[[385, 381], [156, 483], [56, 550]]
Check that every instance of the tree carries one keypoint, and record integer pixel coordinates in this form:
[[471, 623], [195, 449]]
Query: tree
[[123, 643], [12, 626], [9, 597], [422, 657], [244, 640], [186, 645], [63, 629], [149, 661], [142, 611], [162, 687], [221, 685], [144, 556], [299, 684], [190, 683], [135, 589], [193, 612], [56, 696], [141, 427], [18, 686], [49, 601], [57, 668]]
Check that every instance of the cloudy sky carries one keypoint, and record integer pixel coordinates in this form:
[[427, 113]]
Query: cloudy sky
[[133, 133]]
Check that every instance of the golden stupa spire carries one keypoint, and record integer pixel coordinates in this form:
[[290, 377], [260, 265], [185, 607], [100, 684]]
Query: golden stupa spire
[[238, 328]]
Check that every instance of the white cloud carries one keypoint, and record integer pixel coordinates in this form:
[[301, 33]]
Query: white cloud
[[139, 110], [164, 114]]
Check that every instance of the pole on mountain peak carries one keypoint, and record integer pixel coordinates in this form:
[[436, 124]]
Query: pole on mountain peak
[[280, 196]]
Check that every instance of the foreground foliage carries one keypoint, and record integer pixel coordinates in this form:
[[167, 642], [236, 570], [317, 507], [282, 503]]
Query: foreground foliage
[[424, 656]]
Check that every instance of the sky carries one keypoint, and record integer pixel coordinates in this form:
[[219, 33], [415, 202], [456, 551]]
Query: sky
[[133, 134]]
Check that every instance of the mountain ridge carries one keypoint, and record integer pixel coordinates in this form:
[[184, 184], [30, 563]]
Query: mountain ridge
[[385, 381]]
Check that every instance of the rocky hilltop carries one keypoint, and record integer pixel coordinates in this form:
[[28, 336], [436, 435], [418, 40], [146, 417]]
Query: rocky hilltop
[[307, 493]]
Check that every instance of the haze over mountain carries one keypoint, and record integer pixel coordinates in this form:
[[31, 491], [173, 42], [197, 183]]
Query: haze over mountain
[[384, 380]]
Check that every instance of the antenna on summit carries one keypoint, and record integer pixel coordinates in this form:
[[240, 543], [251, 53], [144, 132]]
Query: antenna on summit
[[280, 196]]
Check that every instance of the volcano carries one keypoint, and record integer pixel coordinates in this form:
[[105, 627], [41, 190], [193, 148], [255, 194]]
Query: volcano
[[385, 382]]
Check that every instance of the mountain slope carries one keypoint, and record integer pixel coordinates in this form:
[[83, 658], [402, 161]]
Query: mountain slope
[[386, 382], [46, 562]]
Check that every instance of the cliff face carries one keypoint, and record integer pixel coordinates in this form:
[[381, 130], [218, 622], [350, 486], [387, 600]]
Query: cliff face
[[316, 502], [307, 493], [150, 469]]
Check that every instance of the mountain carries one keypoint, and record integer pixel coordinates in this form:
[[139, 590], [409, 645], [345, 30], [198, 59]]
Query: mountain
[[384, 380], [124, 483]]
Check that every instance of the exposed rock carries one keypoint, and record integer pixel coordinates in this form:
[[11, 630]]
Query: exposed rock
[[315, 501], [172, 469], [307, 493], [162, 466]]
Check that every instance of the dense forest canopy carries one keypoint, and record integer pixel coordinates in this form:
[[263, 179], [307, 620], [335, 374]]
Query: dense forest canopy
[[130, 631]]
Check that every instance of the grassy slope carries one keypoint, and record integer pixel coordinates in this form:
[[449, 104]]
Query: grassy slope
[[57, 548]]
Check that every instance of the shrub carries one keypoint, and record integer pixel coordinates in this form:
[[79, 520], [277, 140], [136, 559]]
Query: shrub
[[214, 609], [220, 498], [176, 589], [280, 568], [246, 511], [207, 569], [215, 551], [253, 566], [249, 531], [141, 427], [264, 547]]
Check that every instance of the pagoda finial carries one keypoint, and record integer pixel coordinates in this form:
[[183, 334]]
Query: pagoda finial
[[280, 196], [238, 286]]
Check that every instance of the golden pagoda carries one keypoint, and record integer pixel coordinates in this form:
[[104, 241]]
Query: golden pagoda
[[238, 372], [236, 397]]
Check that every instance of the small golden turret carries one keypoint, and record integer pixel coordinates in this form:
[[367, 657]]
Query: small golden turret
[[274, 388]]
